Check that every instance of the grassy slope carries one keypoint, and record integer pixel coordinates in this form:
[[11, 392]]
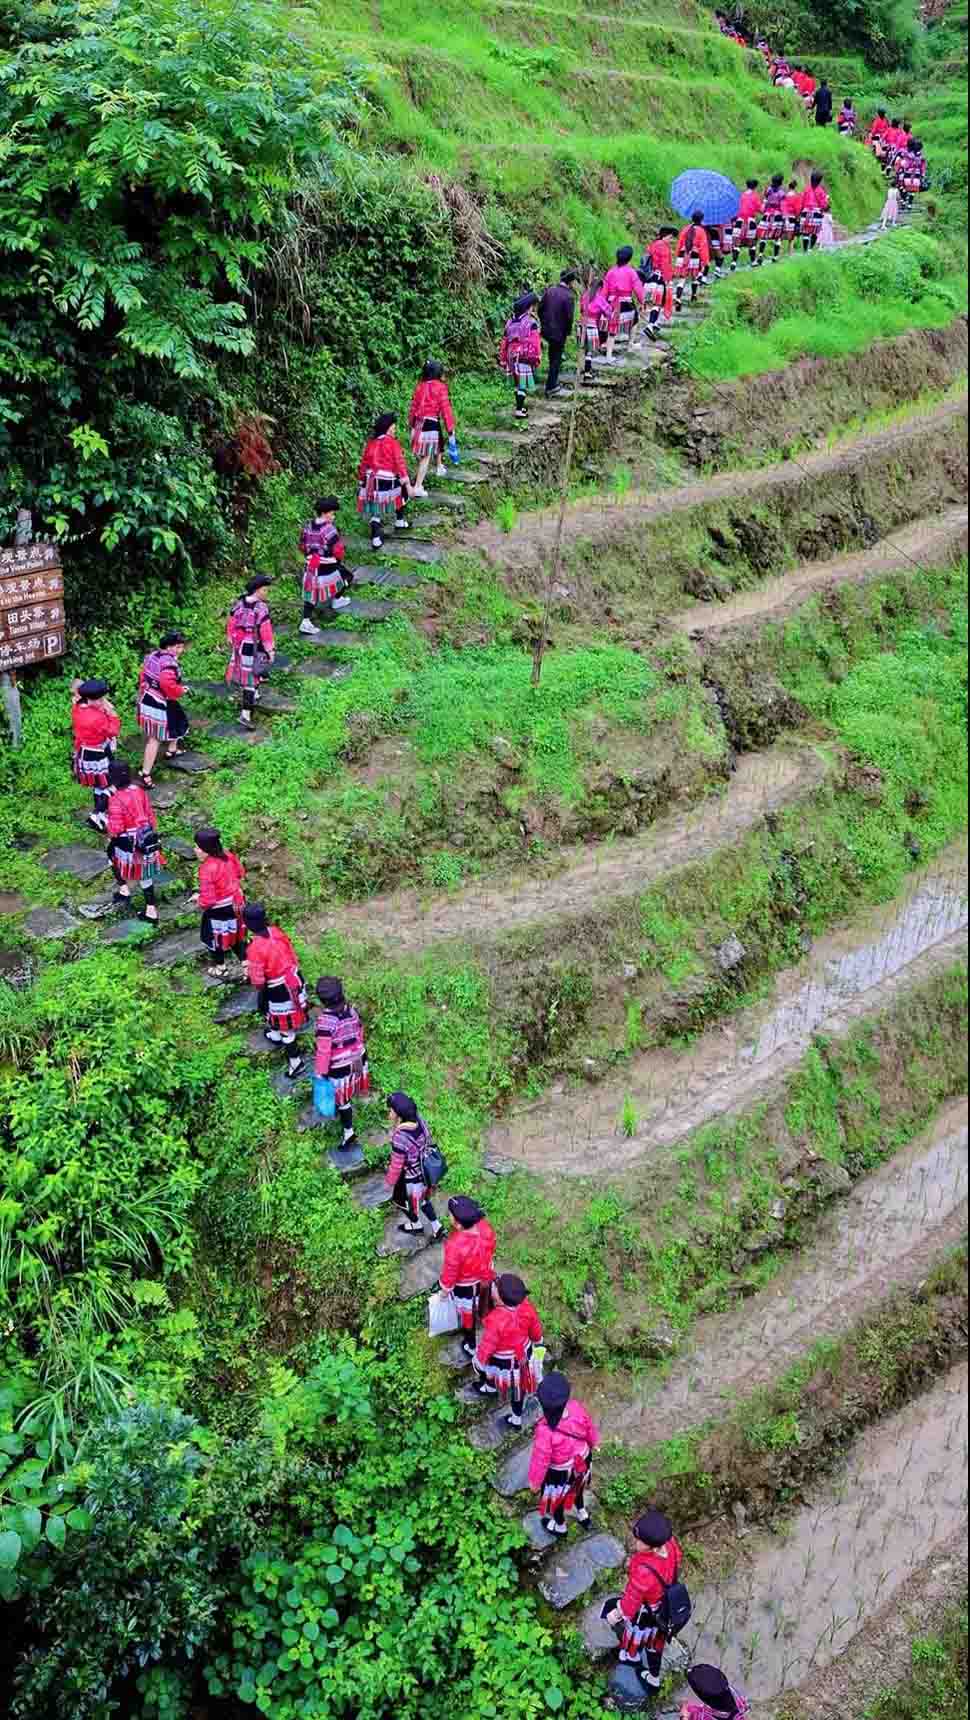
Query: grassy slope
[[575, 123]]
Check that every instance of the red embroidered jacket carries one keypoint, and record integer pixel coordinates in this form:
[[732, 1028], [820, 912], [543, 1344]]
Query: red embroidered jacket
[[432, 400], [271, 956], [468, 1256], [129, 808], [93, 725], [220, 880], [643, 1585]]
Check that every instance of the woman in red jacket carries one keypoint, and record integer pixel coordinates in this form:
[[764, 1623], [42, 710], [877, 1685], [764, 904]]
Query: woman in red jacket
[[503, 1355], [429, 415], [96, 727], [133, 848], [656, 1562], [220, 896], [562, 1454], [693, 257], [274, 970], [467, 1268], [384, 483]]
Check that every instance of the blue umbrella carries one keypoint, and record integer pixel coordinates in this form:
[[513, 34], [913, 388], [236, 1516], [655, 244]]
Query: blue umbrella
[[698, 188]]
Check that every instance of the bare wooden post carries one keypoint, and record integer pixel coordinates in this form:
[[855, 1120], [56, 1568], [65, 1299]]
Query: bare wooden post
[[9, 690]]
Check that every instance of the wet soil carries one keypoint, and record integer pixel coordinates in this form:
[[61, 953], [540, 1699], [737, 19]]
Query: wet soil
[[527, 545], [670, 1092], [932, 542], [406, 920], [881, 1655], [883, 1236], [798, 1597]]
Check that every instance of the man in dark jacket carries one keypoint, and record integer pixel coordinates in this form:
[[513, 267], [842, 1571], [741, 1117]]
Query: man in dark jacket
[[822, 103], [557, 307]]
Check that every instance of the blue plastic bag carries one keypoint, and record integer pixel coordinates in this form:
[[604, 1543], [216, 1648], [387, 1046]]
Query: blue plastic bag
[[453, 453], [324, 1096]]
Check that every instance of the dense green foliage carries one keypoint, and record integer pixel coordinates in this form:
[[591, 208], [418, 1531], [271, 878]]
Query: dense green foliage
[[936, 1688], [882, 31]]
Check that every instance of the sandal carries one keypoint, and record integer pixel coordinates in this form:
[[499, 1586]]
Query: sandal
[[293, 1074], [176, 752], [150, 919], [146, 779], [217, 973]]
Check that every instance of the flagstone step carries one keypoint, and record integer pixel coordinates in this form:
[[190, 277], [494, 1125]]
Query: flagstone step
[[421, 1273], [450, 1352], [328, 639], [512, 1476], [278, 704], [133, 931], [165, 795], [348, 1161], [290, 1087], [239, 1003], [76, 861], [412, 549], [489, 457], [191, 763], [386, 576], [324, 669], [397, 1241], [239, 731], [492, 1433], [445, 499], [372, 1191], [510, 437], [176, 947], [43, 923], [461, 475], [363, 610], [539, 1539], [575, 1570]]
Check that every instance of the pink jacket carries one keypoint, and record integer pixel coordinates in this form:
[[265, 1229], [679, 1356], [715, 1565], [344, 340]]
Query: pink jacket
[[622, 282], [593, 307], [556, 1447]]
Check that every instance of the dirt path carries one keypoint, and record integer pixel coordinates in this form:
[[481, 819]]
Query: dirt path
[[796, 1598], [885, 1235], [763, 783], [849, 973], [594, 522], [931, 542]]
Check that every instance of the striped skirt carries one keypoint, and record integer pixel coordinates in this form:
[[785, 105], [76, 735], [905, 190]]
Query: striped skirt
[[221, 928], [523, 375], [351, 1080], [136, 857], [511, 1376], [91, 765], [284, 1003], [642, 1636], [380, 495], [248, 665], [564, 1485], [321, 580], [426, 437], [590, 338]]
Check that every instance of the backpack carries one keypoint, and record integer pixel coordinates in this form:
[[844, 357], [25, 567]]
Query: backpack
[[675, 1608], [434, 1165]]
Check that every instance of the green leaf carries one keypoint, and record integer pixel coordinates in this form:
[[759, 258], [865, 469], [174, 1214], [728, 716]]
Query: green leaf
[[56, 1531], [554, 1698], [334, 1574], [79, 1518], [10, 1549]]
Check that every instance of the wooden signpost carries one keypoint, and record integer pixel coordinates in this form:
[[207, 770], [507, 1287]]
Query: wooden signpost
[[31, 616]]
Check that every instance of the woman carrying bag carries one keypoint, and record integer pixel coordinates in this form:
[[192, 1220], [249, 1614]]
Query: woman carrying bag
[[340, 1059], [406, 1177]]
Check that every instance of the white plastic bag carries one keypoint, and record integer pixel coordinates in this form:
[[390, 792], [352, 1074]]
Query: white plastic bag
[[538, 1363], [442, 1313]]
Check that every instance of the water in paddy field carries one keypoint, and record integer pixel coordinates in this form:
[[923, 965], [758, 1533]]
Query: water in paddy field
[[802, 1594], [885, 1235]]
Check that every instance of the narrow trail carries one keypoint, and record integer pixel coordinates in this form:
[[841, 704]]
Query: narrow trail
[[885, 1235], [851, 972], [796, 1598], [931, 542], [763, 783], [525, 546]]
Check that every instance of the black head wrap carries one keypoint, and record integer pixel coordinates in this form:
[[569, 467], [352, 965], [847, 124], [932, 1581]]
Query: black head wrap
[[328, 504], [209, 840], [553, 1394], [524, 303], [331, 992], [258, 581], [174, 637], [254, 918], [92, 689], [119, 773], [433, 371], [624, 254], [403, 1106], [465, 1210], [654, 1528], [710, 1684], [383, 424], [511, 1289]]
